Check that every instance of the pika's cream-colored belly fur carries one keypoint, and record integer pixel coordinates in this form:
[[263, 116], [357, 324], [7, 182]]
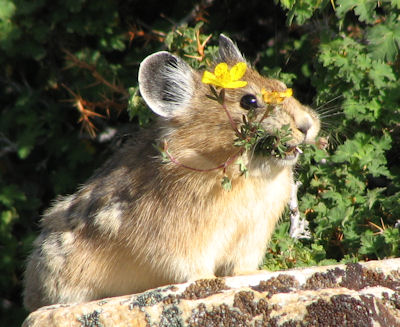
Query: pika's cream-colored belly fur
[[251, 220]]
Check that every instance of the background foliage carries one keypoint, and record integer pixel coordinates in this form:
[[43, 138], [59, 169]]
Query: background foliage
[[69, 97]]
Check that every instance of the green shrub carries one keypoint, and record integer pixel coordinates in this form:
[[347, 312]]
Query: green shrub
[[69, 82], [351, 193]]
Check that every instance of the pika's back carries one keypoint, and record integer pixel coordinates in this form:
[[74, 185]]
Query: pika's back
[[197, 196]]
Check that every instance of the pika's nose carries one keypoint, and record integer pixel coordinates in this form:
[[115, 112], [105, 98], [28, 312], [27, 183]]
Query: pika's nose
[[307, 124], [304, 126]]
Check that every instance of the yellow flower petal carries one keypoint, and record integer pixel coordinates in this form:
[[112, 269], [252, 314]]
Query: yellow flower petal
[[208, 78], [221, 70], [225, 78], [288, 93], [274, 97], [235, 84], [218, 83], [238, 71]]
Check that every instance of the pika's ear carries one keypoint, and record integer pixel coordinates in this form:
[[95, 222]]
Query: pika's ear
[[228, 51], [166, 83]]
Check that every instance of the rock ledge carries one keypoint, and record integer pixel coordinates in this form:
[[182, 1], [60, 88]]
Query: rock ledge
[[362, 294]]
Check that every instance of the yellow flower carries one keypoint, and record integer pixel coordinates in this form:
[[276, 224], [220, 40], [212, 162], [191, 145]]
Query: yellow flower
[[274, 97], [225, 78]]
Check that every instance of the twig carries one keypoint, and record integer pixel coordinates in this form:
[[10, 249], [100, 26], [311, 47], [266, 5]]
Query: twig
[[86, 110], [96, 75], [200, 47], [152, 34], [197, 13], [231, 121]]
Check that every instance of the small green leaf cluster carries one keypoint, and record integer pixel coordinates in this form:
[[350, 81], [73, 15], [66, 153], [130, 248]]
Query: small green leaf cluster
[[285, 252], [185, 41], [301, 11], [226, 183], [253, 137], [137, 108], [276, 144]]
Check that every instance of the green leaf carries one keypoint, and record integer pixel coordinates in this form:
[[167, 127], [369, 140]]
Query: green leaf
[[287, 4], [302, 10], [395, 3], [372, 245], [373, 195], [365, 9], [7, 10], [7, 218], [365, 153], [138, 108], [242, 166], [392, 237], [11, 194], [226, 183], [384, 40], [24, 151]]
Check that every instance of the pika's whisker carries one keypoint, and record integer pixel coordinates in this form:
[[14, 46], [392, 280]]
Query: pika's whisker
[[330, 101], [331, 115]]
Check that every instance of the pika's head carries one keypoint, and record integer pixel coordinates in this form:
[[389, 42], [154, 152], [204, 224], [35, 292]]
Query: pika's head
[[206, 127]]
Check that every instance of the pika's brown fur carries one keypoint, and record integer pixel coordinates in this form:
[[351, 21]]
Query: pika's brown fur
[[139, 223]]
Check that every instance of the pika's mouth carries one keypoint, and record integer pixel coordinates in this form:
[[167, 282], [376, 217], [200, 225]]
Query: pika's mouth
[[292, 153], [272, 146]]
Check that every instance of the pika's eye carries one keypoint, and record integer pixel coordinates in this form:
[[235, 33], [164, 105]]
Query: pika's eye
[[248, 102]]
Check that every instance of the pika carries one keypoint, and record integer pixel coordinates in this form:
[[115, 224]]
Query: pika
[[141, 222]]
